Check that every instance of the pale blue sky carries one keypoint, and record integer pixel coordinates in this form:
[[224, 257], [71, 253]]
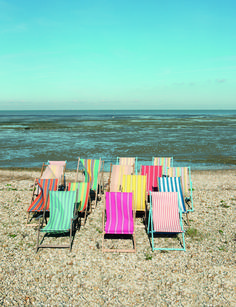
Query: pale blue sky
[[117, 54]]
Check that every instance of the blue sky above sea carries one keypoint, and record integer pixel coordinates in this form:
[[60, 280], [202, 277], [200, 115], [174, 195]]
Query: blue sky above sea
[[117, 55]]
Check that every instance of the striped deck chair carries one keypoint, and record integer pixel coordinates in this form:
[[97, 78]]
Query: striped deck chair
[[165, 217], [63, 217], [165, 162], [128, 161], [119, 215], [83, 195], [185, 174], [38, 203], [136, 184], [54, 170], [173, 184], [116, 176], [92, 174], [152, 172]]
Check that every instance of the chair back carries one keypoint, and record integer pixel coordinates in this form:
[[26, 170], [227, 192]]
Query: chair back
[[182, 172], [165, 162], [92, 170], [137, 185], [119, 213], [83, 189], [117, 176], [152, 172]]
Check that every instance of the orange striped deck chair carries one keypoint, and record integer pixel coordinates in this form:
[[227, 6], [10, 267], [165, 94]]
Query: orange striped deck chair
[[165, 162], [185, 174], [83, 191], [38, 202], [116, 176]]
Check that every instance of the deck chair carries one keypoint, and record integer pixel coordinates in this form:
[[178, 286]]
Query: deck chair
[[152, 172], [119, 216], [137, 185], [185, 174], [165, 162], [92, 174], [116, 176], [63, 217], [54, 170], [165, 217], [128, 161], [173, 184], [38, 202], [83, 198]]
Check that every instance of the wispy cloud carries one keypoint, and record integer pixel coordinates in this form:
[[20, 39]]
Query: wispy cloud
[[220, 80]]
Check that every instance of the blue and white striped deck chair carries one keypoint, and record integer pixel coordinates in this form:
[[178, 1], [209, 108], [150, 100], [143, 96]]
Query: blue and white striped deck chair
[[165, 162], [173, 184]]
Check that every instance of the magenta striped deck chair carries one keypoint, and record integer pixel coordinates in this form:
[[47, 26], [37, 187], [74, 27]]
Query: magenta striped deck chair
[[152, 172], [119, 218], [38, 204], [165, 216]]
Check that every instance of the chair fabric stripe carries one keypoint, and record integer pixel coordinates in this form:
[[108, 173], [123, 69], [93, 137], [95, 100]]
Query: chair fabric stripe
[[152, 172], [83, 193], [137, 185]]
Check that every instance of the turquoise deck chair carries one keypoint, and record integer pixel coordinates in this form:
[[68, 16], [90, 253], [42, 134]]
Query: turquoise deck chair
[[63, 217], [165, 217]]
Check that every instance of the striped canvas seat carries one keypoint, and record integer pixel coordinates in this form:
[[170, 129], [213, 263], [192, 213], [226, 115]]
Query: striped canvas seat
[[172, 184], [62, 205], [165, 216], [119, 213], [92, 169], [185, 174], [152, 172], [83, 193], [45, 186], [63, 208], [117, 176], [165, 162], [137, 185], [132, 161], [54, 170]]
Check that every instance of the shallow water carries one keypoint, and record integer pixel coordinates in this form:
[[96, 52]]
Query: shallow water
[[200, 139]]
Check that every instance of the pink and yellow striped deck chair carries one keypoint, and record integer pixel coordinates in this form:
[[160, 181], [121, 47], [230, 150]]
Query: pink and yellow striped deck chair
[[83, 197], [152, 172], [132, 161], [185, 174], [136, 184], [165, 162], [116, 177], [38, 203], [118, 219], [165, 217]]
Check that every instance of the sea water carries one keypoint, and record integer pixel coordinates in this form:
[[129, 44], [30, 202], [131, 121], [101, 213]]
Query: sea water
[[200, 139]]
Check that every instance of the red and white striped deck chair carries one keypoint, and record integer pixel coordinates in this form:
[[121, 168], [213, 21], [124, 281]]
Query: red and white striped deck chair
[[165, 217], [118, 218], [152, 172], [116, 176]]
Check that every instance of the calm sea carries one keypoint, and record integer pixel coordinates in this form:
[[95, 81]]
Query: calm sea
[[200, 139]]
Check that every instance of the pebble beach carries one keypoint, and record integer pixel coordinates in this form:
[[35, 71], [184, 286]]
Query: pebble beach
[[204, 275]]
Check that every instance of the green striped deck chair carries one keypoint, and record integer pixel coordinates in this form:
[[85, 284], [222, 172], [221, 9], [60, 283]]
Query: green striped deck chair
[[185, 174], [63, 217], [165, 162], [83, 195]]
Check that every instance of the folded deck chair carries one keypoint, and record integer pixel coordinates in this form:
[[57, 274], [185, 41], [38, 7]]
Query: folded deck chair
[[152, 172], [92, 174], [116, 176], [54, 170], [63, 217], [128, 161], [119, 215], [38, 203], [185, 174], [173, 184], [165, 162], [136, 184], [83, 198], [165, 217]]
